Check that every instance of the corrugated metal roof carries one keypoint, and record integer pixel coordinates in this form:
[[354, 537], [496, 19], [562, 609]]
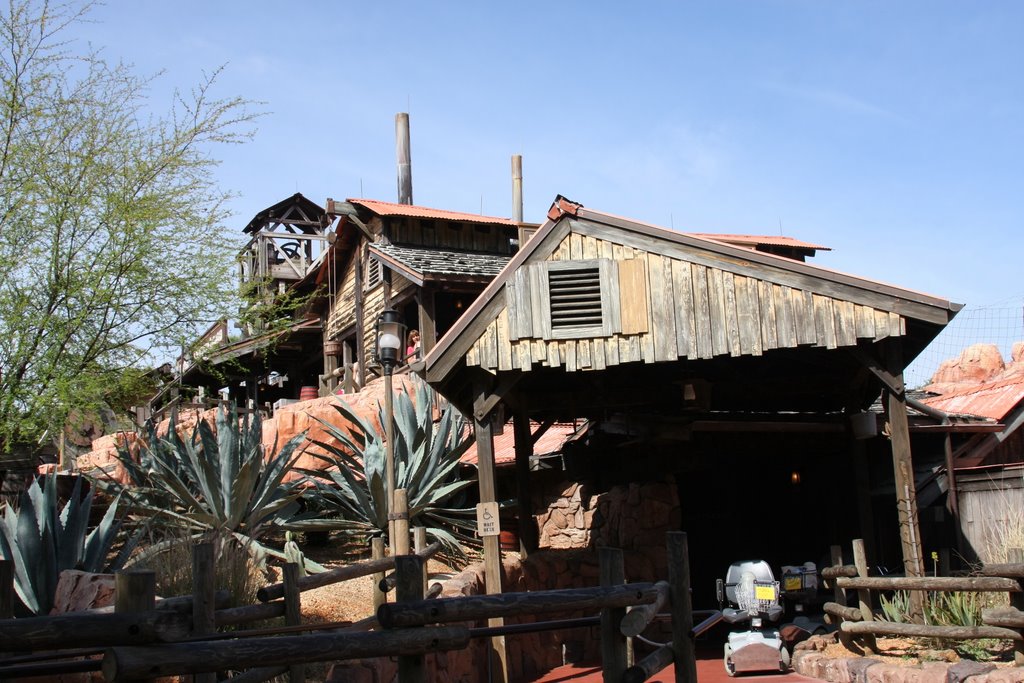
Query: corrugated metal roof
[[413, 211], [760, 240], [550, 442], [990, 399]]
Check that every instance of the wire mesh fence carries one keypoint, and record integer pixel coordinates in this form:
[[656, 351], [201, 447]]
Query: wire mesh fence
[[1000, 323]]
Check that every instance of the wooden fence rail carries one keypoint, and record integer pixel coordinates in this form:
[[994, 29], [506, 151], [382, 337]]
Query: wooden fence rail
[[1000, 623]]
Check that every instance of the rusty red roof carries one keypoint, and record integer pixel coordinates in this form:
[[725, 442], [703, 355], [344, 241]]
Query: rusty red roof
[[550, 442], [413, 211], [759, 240], [989, 399]]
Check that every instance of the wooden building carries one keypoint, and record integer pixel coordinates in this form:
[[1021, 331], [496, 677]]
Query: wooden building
[[725, 365], [429, 264]]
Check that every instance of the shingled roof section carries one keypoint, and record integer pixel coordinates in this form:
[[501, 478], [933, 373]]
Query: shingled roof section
[[421, 264]]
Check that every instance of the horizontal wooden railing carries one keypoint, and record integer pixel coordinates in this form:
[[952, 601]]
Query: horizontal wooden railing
[[858, 625]]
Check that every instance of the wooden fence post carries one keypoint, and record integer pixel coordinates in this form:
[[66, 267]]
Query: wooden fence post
[[293, 613], [6, 589], [419, 544], [1016, 556], [613, 643], [134, 591], [204, 587], [860, 561], [682, 609], [409, 572], [401, 544], [839, 594], [377, 553]]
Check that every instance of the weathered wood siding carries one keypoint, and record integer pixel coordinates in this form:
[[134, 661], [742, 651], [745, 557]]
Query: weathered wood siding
[[490, 237], [990, 512], [671, 308], [342, 314]]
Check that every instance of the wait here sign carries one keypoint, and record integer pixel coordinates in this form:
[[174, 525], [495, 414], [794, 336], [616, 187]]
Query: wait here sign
[[487, 519]]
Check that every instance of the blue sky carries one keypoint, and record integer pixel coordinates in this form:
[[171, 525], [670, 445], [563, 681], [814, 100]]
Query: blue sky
[[890, 132]]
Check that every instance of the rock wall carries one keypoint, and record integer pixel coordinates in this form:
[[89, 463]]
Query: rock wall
[[634, 517], [297, 418]]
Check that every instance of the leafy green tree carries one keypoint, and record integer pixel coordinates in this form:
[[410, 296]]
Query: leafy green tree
[[111, 248]]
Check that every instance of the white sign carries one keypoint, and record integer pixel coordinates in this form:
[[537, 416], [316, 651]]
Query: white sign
[[487, 519]]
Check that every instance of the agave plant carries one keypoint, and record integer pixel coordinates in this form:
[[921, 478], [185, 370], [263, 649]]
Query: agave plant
[[215, 484], [42, 539], [352, 488]]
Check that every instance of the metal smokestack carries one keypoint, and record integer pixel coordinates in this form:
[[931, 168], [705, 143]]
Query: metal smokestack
[[517, 188], [404, 156]]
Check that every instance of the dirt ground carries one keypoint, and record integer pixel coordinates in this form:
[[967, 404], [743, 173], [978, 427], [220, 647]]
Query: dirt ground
[[350, 600]]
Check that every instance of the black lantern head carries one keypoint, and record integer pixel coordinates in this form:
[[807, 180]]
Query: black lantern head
[[390, 332]]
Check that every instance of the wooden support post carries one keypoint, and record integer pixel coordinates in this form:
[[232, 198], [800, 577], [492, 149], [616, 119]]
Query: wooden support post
[[401, 544], [409, 571], [863, 596], [293, 613], [134, 591], [330, 365], [903, 470], [377, 553], [492, 547], [683, 650], [427, 319], [524, 451], [360, 311], [613, 643], [419, 544], [1016, 556], [6, 589], [204, 588]]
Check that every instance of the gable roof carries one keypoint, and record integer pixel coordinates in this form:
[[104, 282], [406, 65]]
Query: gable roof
[[311, 210], [836, 309]]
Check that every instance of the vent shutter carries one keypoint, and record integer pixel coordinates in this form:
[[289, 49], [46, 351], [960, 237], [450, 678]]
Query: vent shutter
[[372, 273], [575, 297]]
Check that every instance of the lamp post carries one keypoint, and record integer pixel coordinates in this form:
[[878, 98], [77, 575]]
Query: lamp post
[[390, 332]]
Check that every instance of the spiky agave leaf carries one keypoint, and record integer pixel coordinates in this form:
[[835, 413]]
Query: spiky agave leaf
[[220, 482], [43, 538], [353, 488]]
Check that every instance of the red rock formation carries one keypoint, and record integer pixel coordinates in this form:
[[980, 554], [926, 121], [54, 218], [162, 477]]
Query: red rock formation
[[290, 420], [977, 363]]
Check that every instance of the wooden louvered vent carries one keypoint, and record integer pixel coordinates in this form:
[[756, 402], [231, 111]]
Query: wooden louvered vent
[[575, 296]]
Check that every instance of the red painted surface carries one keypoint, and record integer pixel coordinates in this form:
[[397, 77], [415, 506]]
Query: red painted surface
[[709, 670], [988, 399], [412, 211]]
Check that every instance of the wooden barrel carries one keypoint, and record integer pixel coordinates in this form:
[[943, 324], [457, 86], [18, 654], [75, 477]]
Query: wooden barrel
[[308, 393]]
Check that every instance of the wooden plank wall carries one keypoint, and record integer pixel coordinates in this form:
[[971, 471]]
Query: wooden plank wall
[[672, 309], [343, 305], [457, 235]]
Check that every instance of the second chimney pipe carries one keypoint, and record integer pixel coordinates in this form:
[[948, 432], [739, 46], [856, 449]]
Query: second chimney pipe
[[517, 188], [404, 155]]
